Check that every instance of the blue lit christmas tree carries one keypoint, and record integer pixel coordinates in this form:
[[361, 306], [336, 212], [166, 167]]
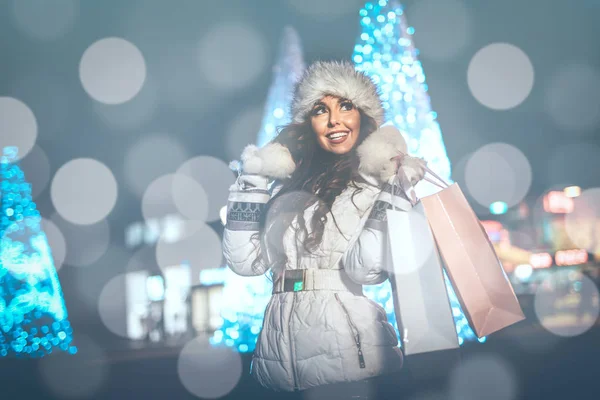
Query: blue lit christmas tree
[[286, 73], [33, 316], [245, 298], [385, 51]]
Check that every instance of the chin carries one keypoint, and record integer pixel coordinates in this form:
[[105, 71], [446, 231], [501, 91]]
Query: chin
[[341, 151]]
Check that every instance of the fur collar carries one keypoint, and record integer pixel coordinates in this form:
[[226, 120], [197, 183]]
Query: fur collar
[[275, 161]]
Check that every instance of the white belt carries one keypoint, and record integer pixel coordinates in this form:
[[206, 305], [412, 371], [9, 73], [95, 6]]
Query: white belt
[[315, 279]]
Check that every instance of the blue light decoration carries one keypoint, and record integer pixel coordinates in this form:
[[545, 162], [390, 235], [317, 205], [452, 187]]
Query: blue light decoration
[[286, 73], [33, 316], [498, 208], [245, 298], [385, 51]]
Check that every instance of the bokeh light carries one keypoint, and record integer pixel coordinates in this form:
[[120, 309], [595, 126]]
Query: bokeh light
[[500, 76], [112, 305], [112, 70], [36, 168], [522, 239], [18, 126], [459, 172], [85, 243], [523, 272], [433, 19], [143, 259], [189, 197], [208, 372], [242, 131], [483, 376], [56, 241], [584, 220], [84, 191], [48, 94], [132, 115], [76, 376], [45, 20], [89, 281], [568, 308], [214, 176], [200, 248], [175, 194], [150, 157], [498, 172]]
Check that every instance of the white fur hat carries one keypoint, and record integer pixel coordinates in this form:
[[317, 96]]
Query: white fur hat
[[339, 79]]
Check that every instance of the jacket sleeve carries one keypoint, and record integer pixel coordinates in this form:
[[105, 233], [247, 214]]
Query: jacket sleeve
[[366, 261], [240, 239]]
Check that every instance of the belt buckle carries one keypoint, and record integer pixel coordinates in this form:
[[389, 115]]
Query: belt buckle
[[295, 284]]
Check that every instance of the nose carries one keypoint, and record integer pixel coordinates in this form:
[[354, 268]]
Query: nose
[[333, 118]]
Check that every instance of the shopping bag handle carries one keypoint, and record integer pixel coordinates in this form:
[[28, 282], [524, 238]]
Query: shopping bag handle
[[408, 187], [428, 170]]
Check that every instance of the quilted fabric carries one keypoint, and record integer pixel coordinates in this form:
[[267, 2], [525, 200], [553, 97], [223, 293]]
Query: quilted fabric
[[311, 338]]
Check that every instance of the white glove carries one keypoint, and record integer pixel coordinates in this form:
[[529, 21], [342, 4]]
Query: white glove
[[414, 168], [273, 160], [250, 181], [260, 165], [378, 151]]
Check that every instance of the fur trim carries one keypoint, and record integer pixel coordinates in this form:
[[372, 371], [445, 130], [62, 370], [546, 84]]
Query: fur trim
[[339, 79], [273, 160], [376, 151]]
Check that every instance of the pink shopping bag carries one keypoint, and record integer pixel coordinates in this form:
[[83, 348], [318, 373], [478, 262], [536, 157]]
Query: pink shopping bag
[[482, 287]]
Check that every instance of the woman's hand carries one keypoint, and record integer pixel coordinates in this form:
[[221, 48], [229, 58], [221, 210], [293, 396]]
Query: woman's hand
[[413, 167], [273, 160], [248, 181]]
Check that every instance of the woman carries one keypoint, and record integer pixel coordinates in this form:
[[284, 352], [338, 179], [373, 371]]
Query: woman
[[319, 228]]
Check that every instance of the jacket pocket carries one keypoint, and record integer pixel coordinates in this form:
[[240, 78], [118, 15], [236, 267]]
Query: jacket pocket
[[354, 330]]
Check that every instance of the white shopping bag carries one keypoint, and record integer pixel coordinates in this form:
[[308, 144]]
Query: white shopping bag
[[421, 302]]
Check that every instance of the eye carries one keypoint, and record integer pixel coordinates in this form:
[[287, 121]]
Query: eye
[[347, 106], [318, 110]]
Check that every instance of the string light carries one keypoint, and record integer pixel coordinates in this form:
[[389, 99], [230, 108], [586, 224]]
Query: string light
[[33, 316], [391, 61], [245, 298]]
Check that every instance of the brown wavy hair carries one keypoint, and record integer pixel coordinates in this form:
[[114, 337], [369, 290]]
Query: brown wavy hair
[[319, 174]]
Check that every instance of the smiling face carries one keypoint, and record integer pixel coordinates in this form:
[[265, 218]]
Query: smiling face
[[336, 123]]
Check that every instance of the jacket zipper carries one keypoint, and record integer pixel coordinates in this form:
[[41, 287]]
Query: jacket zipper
[[292, 349], [361, 358]]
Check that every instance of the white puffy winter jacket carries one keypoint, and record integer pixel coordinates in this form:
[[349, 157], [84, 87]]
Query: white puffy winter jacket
[[311, 338]]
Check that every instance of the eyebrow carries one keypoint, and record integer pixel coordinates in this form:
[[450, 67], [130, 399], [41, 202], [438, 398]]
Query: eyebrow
[[340, 100]]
